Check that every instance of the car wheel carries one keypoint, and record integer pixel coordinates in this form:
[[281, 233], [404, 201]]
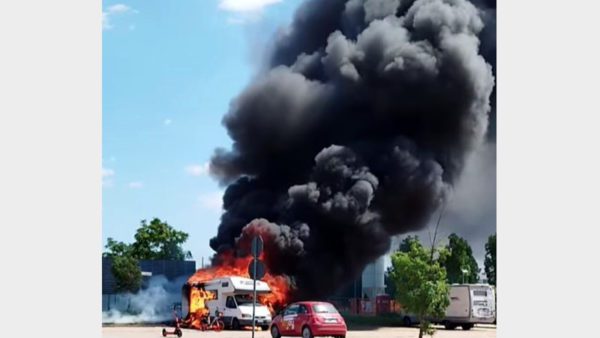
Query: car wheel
[[264, 327], [467, 327], [179, 333], [306, 333], [235, 324], [275, 332], [406, 321]]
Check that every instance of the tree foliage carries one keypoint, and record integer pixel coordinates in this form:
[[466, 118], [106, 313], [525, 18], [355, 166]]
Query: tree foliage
[[458, 256], [390, 286], [154, 240], [407, 243], [404, 246], [116, 249], [421, 285], [158, 240], [128, 276], [490, 259]]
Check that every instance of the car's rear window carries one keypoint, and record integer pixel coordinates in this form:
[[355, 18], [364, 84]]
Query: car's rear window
[[324, 308]]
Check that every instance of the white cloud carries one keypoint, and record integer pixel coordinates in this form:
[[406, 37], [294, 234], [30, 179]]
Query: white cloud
[[197, 169], [107, 172], [212, 201], [107, 175], [136, 185], [245, 5], [118, 8], [105, 21], [167, 122], [111, 11]]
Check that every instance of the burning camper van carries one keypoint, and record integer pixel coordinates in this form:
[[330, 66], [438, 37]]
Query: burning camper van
[[233, 296]]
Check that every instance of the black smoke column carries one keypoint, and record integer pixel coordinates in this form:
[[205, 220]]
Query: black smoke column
[[356, 132]]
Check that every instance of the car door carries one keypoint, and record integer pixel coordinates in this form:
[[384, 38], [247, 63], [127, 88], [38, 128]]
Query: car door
[[288, 320], [301, 318]]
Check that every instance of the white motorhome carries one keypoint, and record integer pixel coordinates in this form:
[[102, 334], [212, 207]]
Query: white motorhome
[[470, 304], [234, 297]]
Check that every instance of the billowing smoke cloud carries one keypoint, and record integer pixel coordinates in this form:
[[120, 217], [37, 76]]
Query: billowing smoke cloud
[[153, 304], [356, 132], [471, 208], [488, 50]]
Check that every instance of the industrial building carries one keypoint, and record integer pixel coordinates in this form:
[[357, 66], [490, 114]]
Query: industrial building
[[373, 279]]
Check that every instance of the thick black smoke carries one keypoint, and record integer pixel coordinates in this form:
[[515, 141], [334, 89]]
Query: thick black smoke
[[355, 133]]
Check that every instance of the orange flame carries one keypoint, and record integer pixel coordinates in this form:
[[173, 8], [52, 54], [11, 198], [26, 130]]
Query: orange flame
[[233, 266]]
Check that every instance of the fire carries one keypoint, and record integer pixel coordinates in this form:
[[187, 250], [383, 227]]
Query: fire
[[198, 309], [233, 266], [198, 299]]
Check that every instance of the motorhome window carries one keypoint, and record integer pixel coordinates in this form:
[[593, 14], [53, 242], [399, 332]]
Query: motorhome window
[[480, 293], [243, 299], [225, 284]]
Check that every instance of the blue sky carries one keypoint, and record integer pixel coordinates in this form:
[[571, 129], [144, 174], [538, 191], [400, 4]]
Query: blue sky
[[169, 72]]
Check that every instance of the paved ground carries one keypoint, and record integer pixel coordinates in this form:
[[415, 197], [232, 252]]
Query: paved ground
[[400, 332]]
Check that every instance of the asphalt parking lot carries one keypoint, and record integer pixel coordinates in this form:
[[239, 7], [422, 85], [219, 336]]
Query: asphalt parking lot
[[487, 331]]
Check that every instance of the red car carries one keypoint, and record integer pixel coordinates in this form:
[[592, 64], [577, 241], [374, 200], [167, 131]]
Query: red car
[[307, 320]]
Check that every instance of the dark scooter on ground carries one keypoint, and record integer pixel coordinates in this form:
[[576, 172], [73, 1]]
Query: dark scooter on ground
[[177, 331]]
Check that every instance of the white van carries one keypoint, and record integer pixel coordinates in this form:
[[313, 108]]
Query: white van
[[234, 299], [470, 304]]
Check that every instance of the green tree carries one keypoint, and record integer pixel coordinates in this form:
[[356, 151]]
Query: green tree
[[116, 249], [158, 240], [490, 259], [404, 246], [390, 286], [128, 276], [456, 257], [421, 285], [407, 243]]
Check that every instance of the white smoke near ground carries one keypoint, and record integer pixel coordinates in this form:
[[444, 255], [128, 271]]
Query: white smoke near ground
[[152, 304]]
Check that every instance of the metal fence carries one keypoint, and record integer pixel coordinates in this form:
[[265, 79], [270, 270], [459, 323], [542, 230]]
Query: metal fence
[[170, 269]]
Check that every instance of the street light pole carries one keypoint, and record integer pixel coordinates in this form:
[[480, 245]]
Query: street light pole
[[254, 299]]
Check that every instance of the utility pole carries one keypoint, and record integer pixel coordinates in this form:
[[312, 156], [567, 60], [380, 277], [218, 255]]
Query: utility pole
[[256, 271], [254, 298]]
